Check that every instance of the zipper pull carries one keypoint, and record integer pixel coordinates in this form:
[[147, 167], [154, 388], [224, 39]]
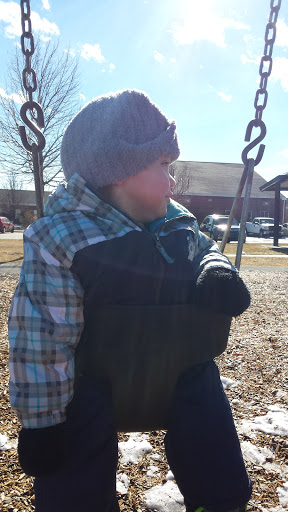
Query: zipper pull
[[162, 250]]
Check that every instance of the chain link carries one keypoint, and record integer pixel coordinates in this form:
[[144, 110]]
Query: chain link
[[260, 103], [266, 60], [36, 113], [27, 46], [30, 81], [261, 97]]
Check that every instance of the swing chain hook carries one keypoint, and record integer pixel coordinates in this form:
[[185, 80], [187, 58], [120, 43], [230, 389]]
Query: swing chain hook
[[265, 69], [255, 123]]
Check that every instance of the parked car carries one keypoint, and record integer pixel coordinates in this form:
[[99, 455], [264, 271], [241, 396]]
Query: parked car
[[262, 226], [215, 225], [6, 225], [285, 229]]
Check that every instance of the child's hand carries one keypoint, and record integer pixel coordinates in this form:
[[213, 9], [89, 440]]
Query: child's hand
[[223, 291], [41, 450], [88, 425]]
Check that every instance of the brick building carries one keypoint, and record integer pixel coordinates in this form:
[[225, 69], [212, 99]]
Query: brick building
[[14, 203], [203, 187], [207, 187]]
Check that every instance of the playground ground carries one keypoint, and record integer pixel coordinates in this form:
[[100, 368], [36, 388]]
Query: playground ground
[[255, 373]]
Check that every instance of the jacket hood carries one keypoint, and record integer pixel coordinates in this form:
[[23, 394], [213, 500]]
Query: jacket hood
[[74, 197], [174, 211]]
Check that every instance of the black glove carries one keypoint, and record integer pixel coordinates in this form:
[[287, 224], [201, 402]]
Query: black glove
[[223, 291], [41, 451]]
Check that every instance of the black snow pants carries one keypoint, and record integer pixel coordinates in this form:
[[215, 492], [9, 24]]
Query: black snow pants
[[201, 443]]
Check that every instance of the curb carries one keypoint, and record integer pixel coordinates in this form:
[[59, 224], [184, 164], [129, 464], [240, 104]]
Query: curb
[[14, 269]]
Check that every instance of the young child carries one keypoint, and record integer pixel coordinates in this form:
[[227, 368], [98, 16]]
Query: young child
[[112, 237]]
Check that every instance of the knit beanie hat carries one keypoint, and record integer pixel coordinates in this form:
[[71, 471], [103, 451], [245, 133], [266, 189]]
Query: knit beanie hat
[[116, 136]]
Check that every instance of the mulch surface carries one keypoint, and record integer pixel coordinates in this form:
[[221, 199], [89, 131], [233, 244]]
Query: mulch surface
[[256, 358]]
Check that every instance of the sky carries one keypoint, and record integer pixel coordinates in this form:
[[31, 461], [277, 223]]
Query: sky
[[198, 61]]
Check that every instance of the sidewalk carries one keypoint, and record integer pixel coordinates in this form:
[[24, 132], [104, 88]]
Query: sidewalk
[[259, 255], [12, 269], [264, 269]]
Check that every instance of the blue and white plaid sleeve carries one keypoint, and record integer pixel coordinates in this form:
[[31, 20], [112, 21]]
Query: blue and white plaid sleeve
[[45, 324]]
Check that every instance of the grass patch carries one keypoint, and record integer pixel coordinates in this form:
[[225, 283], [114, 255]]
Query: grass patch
[[261, 262], [264, 250], [11, 251], [259, 249]]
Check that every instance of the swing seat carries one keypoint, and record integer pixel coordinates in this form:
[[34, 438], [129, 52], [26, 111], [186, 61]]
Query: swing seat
[[142, 350]]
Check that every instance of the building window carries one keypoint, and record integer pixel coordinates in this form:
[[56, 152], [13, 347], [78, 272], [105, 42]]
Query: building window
[[209, 200], [264, 214], [250, 215], [227, 212]]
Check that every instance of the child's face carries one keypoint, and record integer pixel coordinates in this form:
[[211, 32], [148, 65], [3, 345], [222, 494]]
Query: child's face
[[148, 193]]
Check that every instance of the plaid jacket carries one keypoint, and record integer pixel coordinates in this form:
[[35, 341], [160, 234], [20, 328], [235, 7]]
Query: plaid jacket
[[46, 317]]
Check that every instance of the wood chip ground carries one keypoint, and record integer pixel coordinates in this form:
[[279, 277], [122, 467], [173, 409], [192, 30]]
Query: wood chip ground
[[256, 358]]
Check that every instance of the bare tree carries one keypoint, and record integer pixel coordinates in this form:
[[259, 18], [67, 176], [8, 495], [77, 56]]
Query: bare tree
[[11, 199], [57, 87], [182, 178]]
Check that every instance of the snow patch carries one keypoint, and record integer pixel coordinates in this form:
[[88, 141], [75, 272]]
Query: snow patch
[[155, 456], [275, 422], [135, 448], [152, 471], [283, 494], [255, 455], [6, 444], [228, 383], [170, 475], [164, 498], [122, 483]]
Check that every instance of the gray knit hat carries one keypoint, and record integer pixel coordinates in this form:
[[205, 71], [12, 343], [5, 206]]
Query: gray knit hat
[[116, 136]]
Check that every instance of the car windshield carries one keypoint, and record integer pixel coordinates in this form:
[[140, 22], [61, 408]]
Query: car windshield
[[224, 220], [266, 221]]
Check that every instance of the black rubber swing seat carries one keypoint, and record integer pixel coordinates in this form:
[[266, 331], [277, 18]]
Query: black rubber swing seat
[[142, 350]]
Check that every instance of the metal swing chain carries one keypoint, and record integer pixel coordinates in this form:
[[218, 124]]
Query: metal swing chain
[[30, 85], [265, 69], [266, 59]]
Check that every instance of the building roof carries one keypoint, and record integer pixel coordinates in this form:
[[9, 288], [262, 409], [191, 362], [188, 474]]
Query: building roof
[[280, 181], [217, 179]]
